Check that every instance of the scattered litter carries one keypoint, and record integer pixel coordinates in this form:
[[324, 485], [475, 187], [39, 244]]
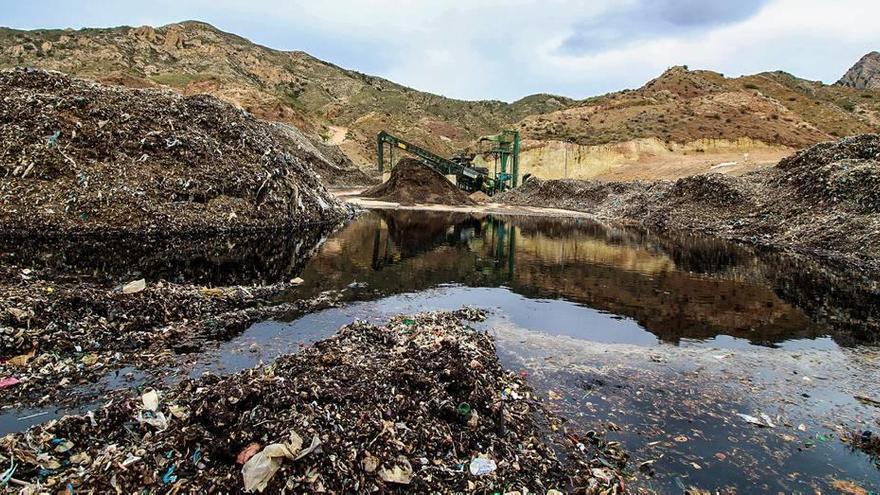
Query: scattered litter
[[134, 286], [419, 365], [481, 466], [8, 382]]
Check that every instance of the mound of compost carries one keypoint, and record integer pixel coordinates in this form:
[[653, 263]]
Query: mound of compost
[[412, 182], [76, 155], [822, 202], [420, 405]]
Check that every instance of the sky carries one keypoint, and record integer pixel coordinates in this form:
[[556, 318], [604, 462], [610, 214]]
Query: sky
[[507, 49]]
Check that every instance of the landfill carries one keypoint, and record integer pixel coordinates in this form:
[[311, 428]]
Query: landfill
[[822, 203], [418, 405], [59, 330], [78, 156], [411, 182]]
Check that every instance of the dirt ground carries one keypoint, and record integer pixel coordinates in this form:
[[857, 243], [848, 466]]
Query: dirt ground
[[823, 202], [411, 182]]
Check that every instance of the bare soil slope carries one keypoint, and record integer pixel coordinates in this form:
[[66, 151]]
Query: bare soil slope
[[411, 182], [76, 155]]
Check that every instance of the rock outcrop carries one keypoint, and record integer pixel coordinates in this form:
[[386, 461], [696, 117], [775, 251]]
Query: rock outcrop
[[865, 74]]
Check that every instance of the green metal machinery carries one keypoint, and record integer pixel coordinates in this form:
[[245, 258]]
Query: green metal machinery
[[504, 147]]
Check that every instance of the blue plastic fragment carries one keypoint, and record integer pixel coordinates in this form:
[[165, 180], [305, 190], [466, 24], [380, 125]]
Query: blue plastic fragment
[[169, 477]]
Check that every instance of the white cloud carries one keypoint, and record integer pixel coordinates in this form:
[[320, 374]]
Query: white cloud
[[506, 49]]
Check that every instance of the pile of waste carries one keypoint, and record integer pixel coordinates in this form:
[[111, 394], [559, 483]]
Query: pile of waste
[[842, 174], [480, 197], [76, 155], [866, 441], [333, 166], [822, 202], [418, 405], [412, 182], [71, 312]]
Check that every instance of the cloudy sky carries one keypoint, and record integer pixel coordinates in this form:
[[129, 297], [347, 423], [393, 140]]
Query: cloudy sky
[[506, 49]]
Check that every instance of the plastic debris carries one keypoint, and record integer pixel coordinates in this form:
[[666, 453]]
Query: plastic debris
[[400, 473], [481, 466], [134, 286], [8, 382], [247, 452], [151, 400], [259, 469], [765, 420]]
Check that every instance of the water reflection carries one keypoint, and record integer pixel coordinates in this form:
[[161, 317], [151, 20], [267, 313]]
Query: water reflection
[[689, 288]]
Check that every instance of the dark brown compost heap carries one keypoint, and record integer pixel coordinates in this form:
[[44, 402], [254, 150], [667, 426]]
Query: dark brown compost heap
[[76, 155], [411, 182], [420, 405], [823, 202]]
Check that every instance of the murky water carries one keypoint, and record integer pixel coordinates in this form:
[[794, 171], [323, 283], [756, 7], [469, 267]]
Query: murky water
[[663, 341]]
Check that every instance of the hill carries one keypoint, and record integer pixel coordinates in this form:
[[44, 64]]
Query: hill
[[344, 107], [681, 123], [865, 74], [692, 117]]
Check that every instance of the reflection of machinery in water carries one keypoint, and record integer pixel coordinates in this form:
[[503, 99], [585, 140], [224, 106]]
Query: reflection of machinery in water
[[503, 147], [500, 237]]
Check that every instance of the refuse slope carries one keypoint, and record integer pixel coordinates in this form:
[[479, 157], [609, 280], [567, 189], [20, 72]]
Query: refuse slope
[[823, 202], [419, 405], [76, 155], [411, 182]]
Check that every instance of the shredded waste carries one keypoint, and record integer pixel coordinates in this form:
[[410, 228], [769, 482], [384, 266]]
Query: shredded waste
[[59, 330], [412, 182], [374, 408], [79, 156]]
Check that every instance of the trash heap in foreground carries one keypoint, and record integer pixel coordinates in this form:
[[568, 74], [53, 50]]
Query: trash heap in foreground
[[418, 405]]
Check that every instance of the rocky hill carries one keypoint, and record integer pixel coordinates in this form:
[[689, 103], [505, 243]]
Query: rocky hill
[[681, 123], [865, 74], [684, 120]]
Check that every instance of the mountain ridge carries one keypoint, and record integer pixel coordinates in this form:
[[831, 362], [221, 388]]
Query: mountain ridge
[[347, 108]]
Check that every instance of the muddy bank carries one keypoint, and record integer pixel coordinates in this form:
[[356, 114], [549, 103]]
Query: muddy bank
[[412, 182], [823, 202], [78, 156], [420, 404], [73, 310]]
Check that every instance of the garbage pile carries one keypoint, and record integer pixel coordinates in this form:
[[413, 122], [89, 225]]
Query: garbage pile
[[842, 174], [419, 405], [332, 165], [412, 182], [866, 441], [66, 320], [717, 190], [822, 202], [76, 155]]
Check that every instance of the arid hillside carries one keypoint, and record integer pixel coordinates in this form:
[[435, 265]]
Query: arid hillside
[[342, 106], [681, 123], [693, 121]]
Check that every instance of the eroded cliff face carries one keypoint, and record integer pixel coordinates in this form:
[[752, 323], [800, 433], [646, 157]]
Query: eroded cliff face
[[645, 158]]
